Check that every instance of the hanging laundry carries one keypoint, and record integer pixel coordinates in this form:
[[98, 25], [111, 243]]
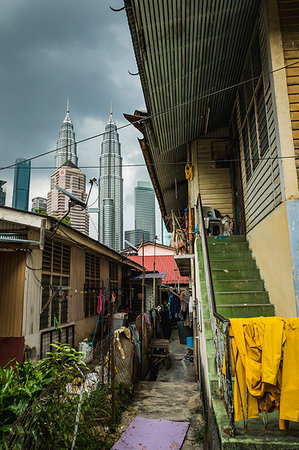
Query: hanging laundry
[[136, 341], [265, 364]]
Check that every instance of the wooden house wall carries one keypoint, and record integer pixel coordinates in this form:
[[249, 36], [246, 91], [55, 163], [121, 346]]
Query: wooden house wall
[[262, 192], [12, 277], [289, 21], [214, 183]]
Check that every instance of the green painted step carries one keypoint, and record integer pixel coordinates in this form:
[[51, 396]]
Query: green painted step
[[220, 240], [228, 247], [233, 274], [238, 298], [236, 285], [231, 311], [234, 264]]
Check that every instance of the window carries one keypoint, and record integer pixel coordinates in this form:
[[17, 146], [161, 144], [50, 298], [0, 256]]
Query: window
[[113, 276], [55, 284], [253, 110], [92, 284]]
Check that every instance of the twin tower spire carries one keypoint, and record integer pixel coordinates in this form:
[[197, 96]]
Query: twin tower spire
[[110, 211]]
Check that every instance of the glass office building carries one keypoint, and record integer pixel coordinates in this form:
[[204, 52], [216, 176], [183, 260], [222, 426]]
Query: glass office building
[[20, 197], [144, 202]]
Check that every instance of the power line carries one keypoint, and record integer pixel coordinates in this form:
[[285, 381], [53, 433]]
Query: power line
[[174, 163], [202, 97]]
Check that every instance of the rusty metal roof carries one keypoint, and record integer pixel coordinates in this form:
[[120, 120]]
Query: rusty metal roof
[[186, 49]]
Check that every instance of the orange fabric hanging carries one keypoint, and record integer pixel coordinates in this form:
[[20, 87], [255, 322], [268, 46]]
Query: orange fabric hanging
[[266, 361]]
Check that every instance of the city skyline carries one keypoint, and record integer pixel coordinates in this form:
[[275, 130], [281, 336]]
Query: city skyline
[[35, 95]]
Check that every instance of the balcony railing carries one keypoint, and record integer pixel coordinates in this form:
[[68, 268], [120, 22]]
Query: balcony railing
[[220, 328]]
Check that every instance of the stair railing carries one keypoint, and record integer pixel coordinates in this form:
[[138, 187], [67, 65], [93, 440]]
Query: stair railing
[[220, 327]]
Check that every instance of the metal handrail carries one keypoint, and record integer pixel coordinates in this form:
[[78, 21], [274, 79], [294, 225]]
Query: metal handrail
[[220, 333]]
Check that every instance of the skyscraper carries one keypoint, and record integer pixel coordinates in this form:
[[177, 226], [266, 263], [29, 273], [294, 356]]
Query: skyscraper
[[144, 201], [111, 189], [136, 237], [20, 197], [2, 193], [66, 147], [68, 176], [39, 203]]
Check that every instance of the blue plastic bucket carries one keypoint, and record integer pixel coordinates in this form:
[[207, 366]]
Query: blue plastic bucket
[[189, 341]]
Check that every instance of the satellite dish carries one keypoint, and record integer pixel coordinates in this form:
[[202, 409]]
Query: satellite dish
[[131, 245], [74, 200]]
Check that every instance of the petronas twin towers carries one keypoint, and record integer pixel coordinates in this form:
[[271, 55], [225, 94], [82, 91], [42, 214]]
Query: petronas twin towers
[[67, 175], [110, 223]]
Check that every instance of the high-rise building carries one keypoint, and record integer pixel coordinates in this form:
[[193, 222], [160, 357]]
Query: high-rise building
[[39, 203], [111, 189], [2, 193], [144, 202], [69, 177], [135, 237], [20, 197], [66, 147]]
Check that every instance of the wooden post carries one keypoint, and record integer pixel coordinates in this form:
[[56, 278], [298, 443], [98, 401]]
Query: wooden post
[[112, 359], [142, 307], [154, 291]]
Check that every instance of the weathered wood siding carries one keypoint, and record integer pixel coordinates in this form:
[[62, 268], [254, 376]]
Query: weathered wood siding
[[214, 183], [289, 21], [262, 192], [12, 277]]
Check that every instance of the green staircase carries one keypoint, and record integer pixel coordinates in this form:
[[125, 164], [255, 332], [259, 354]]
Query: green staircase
[[239, 292]]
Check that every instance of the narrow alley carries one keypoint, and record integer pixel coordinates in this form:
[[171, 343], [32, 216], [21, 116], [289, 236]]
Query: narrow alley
[[174, 396]]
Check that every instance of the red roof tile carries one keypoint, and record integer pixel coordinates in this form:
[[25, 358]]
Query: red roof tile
[[165, 263]]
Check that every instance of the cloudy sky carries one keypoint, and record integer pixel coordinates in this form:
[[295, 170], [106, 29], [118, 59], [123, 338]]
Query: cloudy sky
[[55, 49]]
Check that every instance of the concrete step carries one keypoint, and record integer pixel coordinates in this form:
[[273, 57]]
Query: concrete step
[[255, 437], [164, 400], [222, 240], [235, 285], [227, 247], [233, 274], [238, 298], [250, 310], [246, 263]]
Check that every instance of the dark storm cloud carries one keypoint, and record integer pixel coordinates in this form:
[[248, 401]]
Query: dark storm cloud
[[54, 49]]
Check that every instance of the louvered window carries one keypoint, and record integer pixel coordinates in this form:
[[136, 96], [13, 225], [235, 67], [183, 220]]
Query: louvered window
[[113, 276], [246, 151], [262, 121], [55, 283], [92, 283], [252, 110]]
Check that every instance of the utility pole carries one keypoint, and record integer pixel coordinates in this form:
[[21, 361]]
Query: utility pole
[[112, 301], [154, 290], [142, 306]]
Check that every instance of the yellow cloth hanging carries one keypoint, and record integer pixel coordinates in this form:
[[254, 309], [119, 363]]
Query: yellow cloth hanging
[[265, 363], [289, 401]]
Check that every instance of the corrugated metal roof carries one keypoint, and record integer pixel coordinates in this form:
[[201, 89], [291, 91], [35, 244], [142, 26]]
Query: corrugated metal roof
[[165, 263], [186, 49]]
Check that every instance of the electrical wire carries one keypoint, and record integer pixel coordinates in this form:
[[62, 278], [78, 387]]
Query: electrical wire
[[175, 163], [152, 116], [93, 223]]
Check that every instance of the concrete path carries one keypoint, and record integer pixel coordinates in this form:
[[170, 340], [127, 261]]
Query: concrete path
[[174, 396]]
